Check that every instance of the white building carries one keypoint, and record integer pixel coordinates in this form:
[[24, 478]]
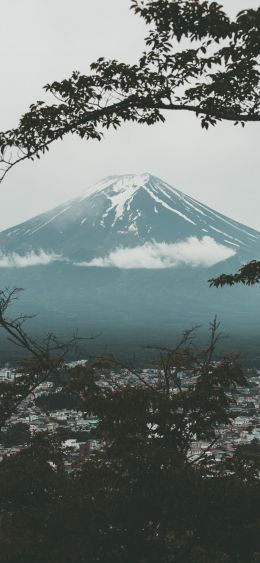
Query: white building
[[7, 374]]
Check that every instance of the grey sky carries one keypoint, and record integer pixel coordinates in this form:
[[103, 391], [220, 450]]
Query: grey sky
[[45, 41]]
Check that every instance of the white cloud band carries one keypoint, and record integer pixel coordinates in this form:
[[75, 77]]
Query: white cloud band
[[15, 260], [192, 251]]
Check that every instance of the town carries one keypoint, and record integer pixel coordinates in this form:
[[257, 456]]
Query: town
[[74, 428]]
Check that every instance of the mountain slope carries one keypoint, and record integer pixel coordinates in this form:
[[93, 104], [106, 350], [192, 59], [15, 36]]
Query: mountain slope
[[129, 260], [125, 211]]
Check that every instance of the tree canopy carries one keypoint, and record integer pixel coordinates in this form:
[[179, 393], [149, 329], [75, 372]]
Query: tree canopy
[[197, 59], [140, 494], [249, 274]]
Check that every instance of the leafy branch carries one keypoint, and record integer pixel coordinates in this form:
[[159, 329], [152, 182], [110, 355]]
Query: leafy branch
[[197, 60]]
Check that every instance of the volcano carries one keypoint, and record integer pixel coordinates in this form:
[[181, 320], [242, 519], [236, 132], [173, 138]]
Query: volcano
[[130, 260]]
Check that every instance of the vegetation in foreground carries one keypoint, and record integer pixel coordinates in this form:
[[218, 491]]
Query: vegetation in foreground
[[139, 495]]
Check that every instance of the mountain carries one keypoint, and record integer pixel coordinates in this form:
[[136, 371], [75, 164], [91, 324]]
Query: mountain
[[125, 211], [130, 259]]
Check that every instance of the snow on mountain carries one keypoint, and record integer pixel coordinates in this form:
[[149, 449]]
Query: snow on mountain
[[130, 259], [156, 224]]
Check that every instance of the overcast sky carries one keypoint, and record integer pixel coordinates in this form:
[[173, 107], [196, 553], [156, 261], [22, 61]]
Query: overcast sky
[[42, 41]]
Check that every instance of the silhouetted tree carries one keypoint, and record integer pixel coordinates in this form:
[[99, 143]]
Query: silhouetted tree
[[197, 59], [249, 274], [139, 495], [45, 358], [17, 435]]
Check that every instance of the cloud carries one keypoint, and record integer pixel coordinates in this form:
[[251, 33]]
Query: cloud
[[15, 260], [192, 251]]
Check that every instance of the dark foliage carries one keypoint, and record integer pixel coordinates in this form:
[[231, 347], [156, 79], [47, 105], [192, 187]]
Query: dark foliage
[[16, 435], [137, 498], [137, 495], [56, 401], [247, 275], [196, 60]]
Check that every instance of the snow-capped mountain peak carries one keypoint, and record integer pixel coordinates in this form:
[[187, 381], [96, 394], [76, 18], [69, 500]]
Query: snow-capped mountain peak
[[126, 211], [121, 184], [130, 254]]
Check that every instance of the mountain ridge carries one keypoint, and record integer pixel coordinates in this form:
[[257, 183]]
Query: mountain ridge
[[125, 210], [130, 261]]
